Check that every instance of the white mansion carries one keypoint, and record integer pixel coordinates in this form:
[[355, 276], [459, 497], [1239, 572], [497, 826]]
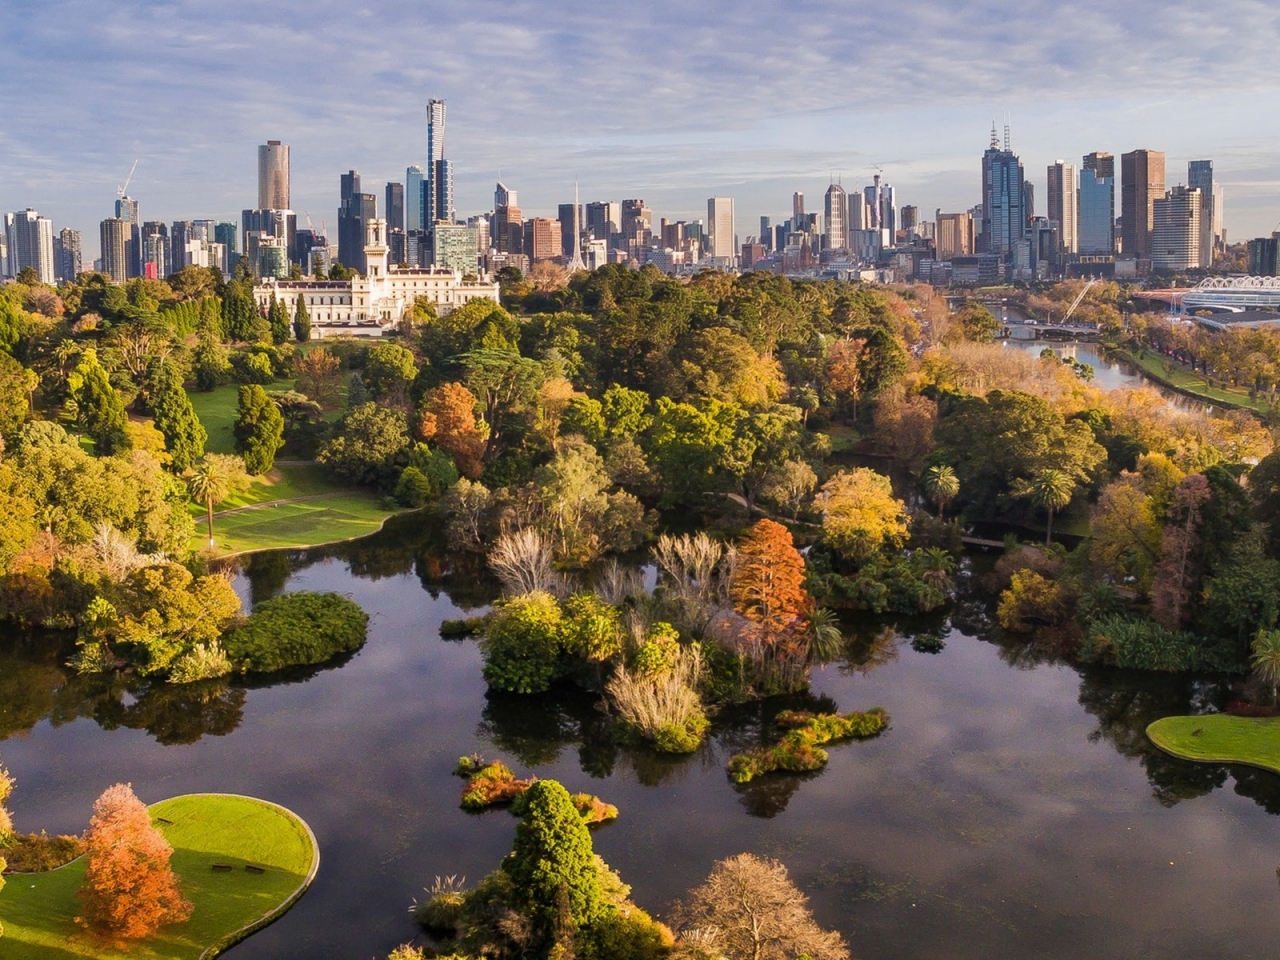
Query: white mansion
[[370, 305]]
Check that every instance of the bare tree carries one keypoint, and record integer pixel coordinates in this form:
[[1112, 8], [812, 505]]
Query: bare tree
[[522, 561], [757, 913]]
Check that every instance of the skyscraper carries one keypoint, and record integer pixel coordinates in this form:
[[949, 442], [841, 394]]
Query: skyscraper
[[273, 176], [503, 196], [889, 210], [1175, 230], [114, 234], [1141, 184], [1063, 204], [721, 245], [356, 213], [66, 254], [766, 231], [1200, 176], [155, 250], [570, 217], [1004, 216], [414, 186], [442, 189], [394, 208], [435, 152], [542, 239], [224, 235], [29, 239], [604, 219], [1097, 211], [797, 209], [835, 212], [1101, 163], [127, 210], [953, 235]]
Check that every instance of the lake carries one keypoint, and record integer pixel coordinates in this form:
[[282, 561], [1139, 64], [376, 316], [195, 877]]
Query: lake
[[1013, 809]]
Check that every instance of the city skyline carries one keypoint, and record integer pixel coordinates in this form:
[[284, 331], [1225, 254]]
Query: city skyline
[[697, 131]]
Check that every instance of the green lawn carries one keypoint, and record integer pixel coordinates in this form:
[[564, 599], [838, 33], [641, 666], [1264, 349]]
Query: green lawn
[[217, 409], [1180, 376], [1251, 740], [307, 524], [38, 910]]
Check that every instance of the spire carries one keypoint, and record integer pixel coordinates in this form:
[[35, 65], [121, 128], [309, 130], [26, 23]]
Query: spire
[[995, 140], [575, 263], [1006, 138]]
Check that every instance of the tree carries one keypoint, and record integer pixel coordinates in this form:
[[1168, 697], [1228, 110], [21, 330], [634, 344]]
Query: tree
[[757, 914], [259, 429], [301, 321], [368, 445], [278, 320], [1051, 490], [6, 820], [1265, 660], [317, 372], [552, 867], [860, 514], [240, 319], [16, 386], [789, 484], [130, 889], [99, 408], [388, 372], [214, 478], [768, 581], [1178, 571], [1124, 533], [941, 485], [175, 417], [447, 417]]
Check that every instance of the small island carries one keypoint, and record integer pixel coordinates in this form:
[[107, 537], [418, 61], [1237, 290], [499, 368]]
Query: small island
[[242, 863], [1220, 738]]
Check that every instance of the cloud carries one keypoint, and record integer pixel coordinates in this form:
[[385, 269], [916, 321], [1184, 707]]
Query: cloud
[[662, 100]]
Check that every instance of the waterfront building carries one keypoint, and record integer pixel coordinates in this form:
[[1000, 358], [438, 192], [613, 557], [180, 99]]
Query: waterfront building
[[1096, 219]]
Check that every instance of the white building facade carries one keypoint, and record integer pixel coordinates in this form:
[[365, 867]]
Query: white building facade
[[374, 304]]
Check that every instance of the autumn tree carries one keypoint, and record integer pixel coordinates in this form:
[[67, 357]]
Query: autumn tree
[[767, 588], [317, 372], [130, 889], [1124, 533], [757, 913], [447, 417], [860, 514]]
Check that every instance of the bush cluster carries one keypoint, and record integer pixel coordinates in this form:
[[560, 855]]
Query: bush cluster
[[493, 784], [800, 749], [1145, 645], [297, 629]]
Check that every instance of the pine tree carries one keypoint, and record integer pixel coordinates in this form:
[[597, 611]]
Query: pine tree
[[130, 889], [301, 321], [278, 319], [240, 319], [259, 429], [99, 406], [184, 436]]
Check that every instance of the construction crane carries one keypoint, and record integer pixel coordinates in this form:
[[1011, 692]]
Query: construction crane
[[122, 191], [1079, 299]]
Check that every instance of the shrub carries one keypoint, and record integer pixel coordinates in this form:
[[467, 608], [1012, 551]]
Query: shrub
[[633, 935], [38, 852], [253, 368], [666, 709], [1032, 600], [463, 627], [201, 662], [800, 749], [522, 644], [442, 911], [296, 629], [1146, 645], [492, 784]]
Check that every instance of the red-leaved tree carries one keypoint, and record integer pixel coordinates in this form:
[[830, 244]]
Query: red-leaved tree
[[448, 417], [130, 889], [767, 588]]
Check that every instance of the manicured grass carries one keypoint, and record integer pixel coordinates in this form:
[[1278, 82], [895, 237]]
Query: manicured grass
[[1178, 375], [39, 910], [1219, 737], [284, 482], [217, 410], [306, 524]]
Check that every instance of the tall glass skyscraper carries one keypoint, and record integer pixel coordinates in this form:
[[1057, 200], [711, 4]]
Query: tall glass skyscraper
[[1097, 220], [435, 153], [1004, 216], [415, 182]]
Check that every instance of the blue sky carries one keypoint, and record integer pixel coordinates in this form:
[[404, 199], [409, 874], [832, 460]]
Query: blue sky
[[670, 102]]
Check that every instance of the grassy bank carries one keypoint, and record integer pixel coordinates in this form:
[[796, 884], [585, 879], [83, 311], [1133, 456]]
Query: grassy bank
[[204, 829], [1219, 737], [1180, 377]]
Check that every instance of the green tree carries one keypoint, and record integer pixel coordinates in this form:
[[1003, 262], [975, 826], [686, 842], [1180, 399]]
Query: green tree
[[1266, 659], [278, 320], [213, 479], [175, 417], [388, 372], [368, 445], [301, 321], [552, 867], [1051, 490], [240, 319], [16, 386], [99, 407], [690, 445], [259, 429], [941, 485]]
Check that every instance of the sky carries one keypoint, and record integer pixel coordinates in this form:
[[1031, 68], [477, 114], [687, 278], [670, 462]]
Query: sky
[[671, 102]]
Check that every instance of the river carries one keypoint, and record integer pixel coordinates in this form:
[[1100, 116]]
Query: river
[[1107, 373], [1013, 809]]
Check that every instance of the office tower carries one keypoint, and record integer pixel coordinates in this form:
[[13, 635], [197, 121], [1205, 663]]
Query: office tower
[[889, 210], [953, 235], [1264, 256], [910, 217], [722, 247], [543, 240], [570, 217], [1200, 176], [181, 232], [273, 176], [503, 196], [442, 190], [454, 248], [414, 186], [856, 211], [224, 235], [354, 215], [1028, 200], [1004, 218], [835, 213], [29, 239], [66, 256], [766, 230], [1141, 184], [435, 153], [637, 225], [508, 229], [114, 233], [1063, 204], [604, 219], [155, 250], [127, 210], [1175, 230], [1102, 164], [871, 197], [1096, 223], [797, 209], [395, 206]]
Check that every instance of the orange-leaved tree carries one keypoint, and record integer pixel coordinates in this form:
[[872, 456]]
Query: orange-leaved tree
[[129, 889], [447, 416], [767, 588]]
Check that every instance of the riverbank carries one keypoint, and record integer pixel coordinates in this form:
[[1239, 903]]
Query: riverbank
[[1220, 738], [208, 832], [1177, 377]]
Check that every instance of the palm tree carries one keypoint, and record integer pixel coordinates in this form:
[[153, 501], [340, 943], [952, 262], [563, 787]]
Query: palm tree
[[941, 485], [936, 567], [827, 641], [214, 478], [1266, 658], [1052, 490]]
